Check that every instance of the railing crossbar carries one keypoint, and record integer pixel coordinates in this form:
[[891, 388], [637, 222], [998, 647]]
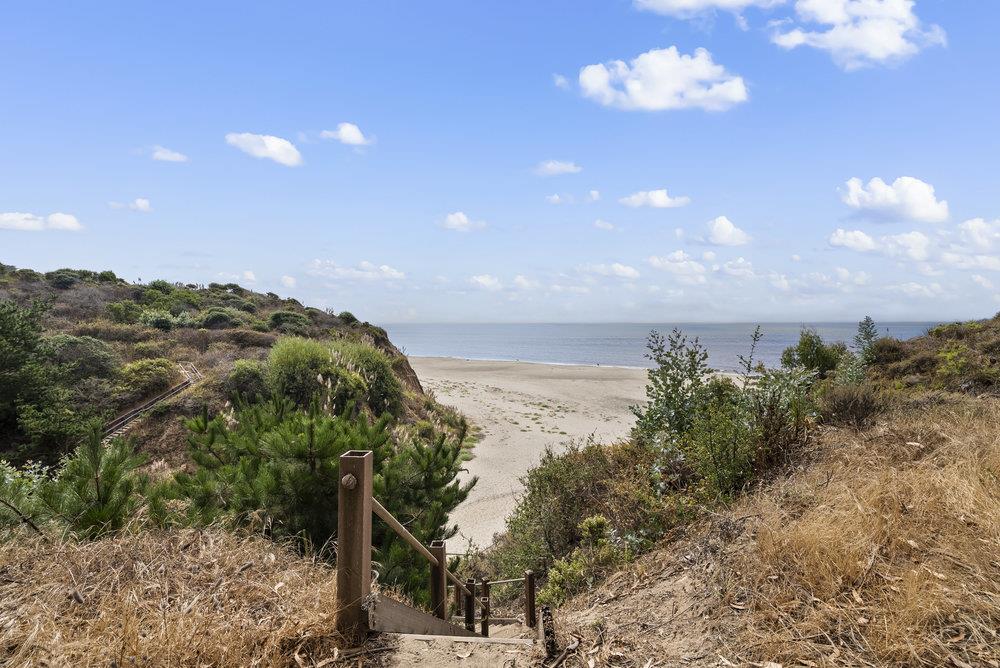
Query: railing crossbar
[[401, 531]]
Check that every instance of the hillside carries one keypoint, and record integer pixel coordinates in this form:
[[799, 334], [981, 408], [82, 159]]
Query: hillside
[[112, 344]]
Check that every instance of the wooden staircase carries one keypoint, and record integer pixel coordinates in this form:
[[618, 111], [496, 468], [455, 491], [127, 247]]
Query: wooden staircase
[[122, 423], [359, 610]]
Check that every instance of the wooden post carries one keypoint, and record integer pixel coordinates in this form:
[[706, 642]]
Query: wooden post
[[530, 616], [354, 543], [439, 580], [485, 601], [470, 605], [459, 600]]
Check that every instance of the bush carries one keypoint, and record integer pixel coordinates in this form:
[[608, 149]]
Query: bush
[[674, 390], [887, 350], [221, 318], [812, 354], [247, 381], [278, 467], [289, 322], [62, 279], [348, 318], [111, 331], [83, 356], [126, 311], [616, 481], [157, 319], [854, 406], [385, 393], [598, 555], [107, 276], [295, 367], [146, 377], [246, 338]]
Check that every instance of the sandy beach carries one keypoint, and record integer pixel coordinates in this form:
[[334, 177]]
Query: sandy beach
[[522, 408]]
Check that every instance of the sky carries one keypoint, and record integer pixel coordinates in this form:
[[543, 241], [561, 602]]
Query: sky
[[517, 161]]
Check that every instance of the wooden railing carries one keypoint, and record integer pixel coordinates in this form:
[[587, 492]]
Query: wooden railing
[[354, 546]]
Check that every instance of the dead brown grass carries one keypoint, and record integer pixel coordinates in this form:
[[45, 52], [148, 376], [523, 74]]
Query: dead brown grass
[[883, 551], [180, 598]]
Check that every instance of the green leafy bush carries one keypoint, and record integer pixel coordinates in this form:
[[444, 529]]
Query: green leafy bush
[[598, 555], [221, 318], [146, 377], [62, 279], [289, 322], [886, 351], [295, 368], [385, 393], [125, 311], [275, 466], [247, 381], [812, 354], [83, 356], [157, 319], [675, 388]]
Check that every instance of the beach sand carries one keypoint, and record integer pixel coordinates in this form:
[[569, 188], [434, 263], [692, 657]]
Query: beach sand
[[522, 408]]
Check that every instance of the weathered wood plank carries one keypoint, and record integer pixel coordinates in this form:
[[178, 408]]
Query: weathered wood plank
[[389, 616]]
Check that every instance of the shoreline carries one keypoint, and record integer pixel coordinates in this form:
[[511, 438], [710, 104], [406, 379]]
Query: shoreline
[[520, 361]]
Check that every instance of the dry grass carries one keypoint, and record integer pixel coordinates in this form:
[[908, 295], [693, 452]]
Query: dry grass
[[182, 598], [884, 550]]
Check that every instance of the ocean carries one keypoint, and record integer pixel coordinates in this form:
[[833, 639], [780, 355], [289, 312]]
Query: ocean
[[615, 344]]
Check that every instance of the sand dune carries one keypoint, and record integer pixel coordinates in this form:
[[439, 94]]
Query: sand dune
[[522, 408]]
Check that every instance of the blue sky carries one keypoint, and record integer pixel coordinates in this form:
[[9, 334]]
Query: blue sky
[[457, 161]]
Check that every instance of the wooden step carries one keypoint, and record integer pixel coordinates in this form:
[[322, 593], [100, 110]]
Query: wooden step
[[388, 616], [477, 640]]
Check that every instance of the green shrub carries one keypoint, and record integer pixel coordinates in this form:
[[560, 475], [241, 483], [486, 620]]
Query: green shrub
[[246, 338], [288, 321], [83, 356], [107, 276], [97, 490], [887, 350], [598, 555], [348, 318], [955, 362], [296, 366], [62, 279], [145, 377], [221, 318], [277, 467], [157, 319], [247, 381], [112, 331], [126, 311], [160, 285], [50, 423], [385, 393], [854, 406], [675, 388], [812, 354]]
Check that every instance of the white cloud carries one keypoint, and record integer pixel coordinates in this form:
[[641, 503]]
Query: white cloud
[[796, 257], [560, 81], [486, 282], [614, 269], [557, 167], [138, 204], [658, 199], [980, 234], [347, 133], [739, 267], [249, 276], [29, 222], [780, 281], [554, 199], [722, 232], [708, 256], [982, 281], [594, 195], [913, 245], [525, 283], [364, 271], [164, 154], [855, 240], [681, 265], [274, 148], [460, 222], [860, 33], [906, 199], [603, 225], [913, 289], [662, 79], [689, 8], [288, 281]]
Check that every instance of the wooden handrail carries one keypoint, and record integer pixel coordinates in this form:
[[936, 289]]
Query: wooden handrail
[[412, 541], [401, 531]]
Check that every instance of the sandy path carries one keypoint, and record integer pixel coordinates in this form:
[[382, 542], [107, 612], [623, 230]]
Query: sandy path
[[522, 408]]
